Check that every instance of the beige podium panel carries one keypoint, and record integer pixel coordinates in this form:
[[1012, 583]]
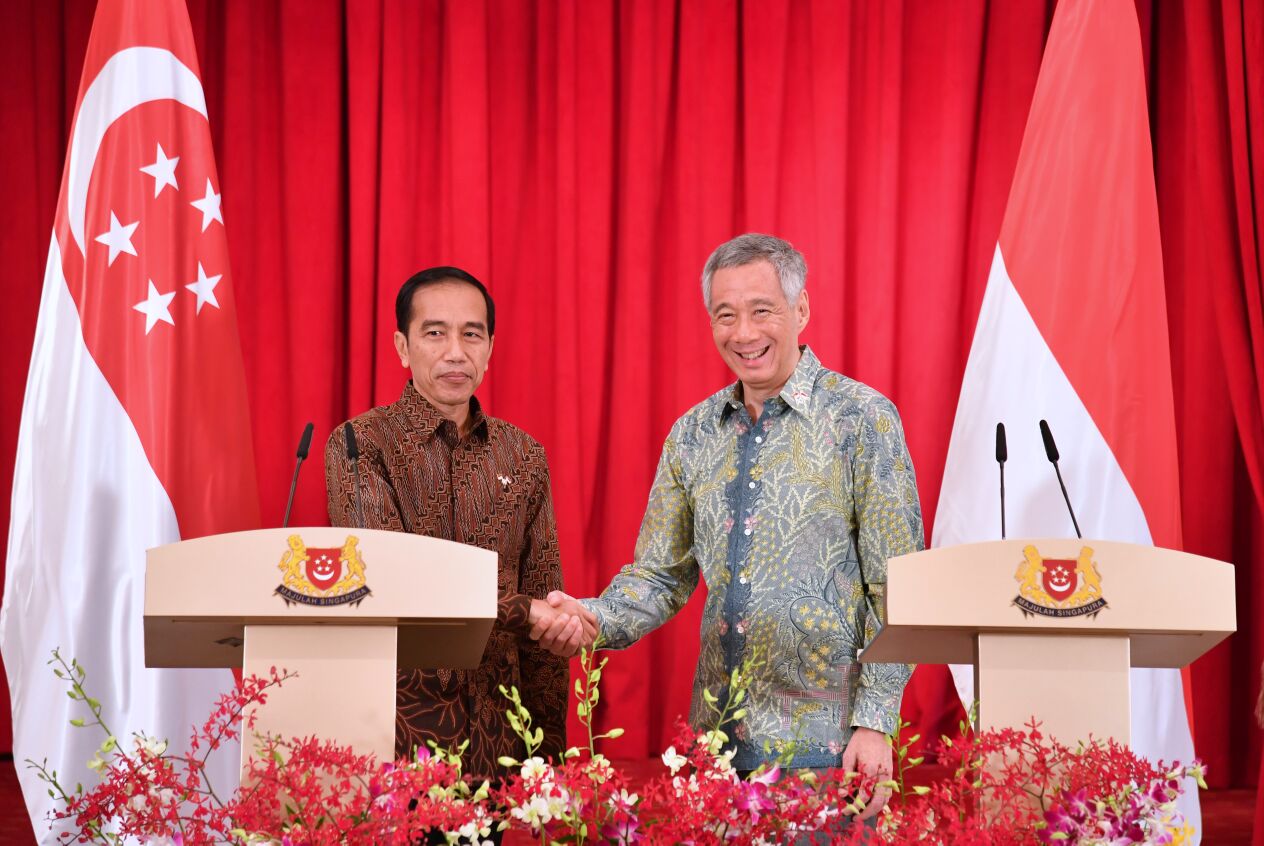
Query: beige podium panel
[[342, 608], [1052, 626]]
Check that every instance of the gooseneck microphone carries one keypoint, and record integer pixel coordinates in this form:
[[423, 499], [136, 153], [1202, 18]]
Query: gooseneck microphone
[[353, 455], [304, 444], [1002, 455], [1051, 451]]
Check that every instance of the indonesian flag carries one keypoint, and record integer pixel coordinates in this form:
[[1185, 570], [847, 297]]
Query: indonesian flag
[[135, 430], [1073, 329]]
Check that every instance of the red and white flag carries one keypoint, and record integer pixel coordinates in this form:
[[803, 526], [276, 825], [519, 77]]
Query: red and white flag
[[1073, 329], [135, 430]]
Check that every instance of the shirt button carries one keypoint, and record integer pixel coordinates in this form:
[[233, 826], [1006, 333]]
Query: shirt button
[[748, 531], [758, 439], [751, 484], [742, 580]]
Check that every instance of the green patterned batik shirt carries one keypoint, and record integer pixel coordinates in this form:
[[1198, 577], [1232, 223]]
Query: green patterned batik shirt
[[791, 520]]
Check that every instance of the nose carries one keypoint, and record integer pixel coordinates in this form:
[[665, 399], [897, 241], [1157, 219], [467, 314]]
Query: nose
[[454, 351], [744, 329]]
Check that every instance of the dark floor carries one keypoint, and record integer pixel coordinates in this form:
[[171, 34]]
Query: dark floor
[[1228, 815]]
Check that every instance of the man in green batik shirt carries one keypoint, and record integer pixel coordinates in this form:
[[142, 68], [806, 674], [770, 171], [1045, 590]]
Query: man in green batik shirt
[[787, 491]]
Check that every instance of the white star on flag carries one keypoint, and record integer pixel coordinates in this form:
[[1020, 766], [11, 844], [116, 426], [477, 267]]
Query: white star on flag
[[209, 207], [163, 170], [119, 238], [204, 287], [155, 307]]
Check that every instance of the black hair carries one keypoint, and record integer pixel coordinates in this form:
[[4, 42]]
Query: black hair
[[437, 276]]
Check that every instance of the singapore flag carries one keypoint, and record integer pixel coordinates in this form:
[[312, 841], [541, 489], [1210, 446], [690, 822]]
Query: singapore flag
[[135, 430], [1073, 329]]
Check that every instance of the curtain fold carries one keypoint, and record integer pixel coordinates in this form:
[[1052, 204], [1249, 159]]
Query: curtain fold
[[583, 158]]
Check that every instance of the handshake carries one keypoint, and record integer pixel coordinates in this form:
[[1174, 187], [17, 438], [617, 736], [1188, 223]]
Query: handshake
[[561, 625]]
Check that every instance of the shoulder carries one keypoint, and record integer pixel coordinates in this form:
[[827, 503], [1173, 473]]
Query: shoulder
[[700, 421], [843, 398], [372, 431], [512, 441]]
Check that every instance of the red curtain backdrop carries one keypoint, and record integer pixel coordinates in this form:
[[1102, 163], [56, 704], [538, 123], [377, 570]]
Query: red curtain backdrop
[[583, 158]]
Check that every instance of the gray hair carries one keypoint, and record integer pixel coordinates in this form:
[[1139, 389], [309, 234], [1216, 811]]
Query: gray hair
[[786, 261]]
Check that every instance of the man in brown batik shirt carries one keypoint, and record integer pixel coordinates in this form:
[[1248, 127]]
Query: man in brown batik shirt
[[433, 463]]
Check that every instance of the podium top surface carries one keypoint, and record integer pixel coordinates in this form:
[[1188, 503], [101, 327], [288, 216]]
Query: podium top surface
[[203, 596], [331, 575], [1173, 606]]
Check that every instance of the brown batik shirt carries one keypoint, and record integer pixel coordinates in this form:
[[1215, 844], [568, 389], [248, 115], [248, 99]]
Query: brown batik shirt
[[490, 490]]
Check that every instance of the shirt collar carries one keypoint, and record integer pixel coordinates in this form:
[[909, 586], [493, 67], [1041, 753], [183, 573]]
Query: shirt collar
[[796, 393], [428, 420]]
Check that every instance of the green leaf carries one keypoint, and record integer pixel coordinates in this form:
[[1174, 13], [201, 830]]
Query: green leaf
[[77, 723], [93, 704]]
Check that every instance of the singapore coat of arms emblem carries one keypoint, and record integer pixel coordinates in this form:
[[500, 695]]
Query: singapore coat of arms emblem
[[1059, 587], [322, 577]]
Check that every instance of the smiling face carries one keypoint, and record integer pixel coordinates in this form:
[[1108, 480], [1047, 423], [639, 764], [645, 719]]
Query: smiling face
[[447, 345], [755, 329]]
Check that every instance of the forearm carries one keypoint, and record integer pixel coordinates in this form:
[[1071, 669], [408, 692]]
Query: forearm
[[639, 600]]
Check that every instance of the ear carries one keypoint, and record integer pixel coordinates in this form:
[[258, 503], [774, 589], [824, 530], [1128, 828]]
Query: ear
[[801, 310], [401, 347]]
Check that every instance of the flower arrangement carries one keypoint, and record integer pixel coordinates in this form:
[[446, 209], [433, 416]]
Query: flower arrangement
[[1005, 787]]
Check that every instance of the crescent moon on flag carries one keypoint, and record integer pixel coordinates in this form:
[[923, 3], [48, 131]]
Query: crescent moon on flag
[[131, 78]]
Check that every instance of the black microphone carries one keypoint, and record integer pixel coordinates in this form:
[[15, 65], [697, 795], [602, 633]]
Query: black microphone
[[353, 455], [304, 444], [1051, 451], [1002, 455]]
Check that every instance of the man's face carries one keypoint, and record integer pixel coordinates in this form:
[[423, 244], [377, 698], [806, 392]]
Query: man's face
[[447, 345], [755, 329]]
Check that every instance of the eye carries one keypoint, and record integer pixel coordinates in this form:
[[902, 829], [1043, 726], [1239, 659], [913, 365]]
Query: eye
[[473, 334], [724, 318]]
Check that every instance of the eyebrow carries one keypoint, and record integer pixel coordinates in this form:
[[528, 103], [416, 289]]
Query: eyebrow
[[443, 324], [758, 301]]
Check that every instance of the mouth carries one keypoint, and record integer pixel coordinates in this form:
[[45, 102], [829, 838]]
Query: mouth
[[754, 355], [455, 378]]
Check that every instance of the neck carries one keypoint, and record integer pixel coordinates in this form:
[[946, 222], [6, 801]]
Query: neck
[[754, 397], [459, 414]]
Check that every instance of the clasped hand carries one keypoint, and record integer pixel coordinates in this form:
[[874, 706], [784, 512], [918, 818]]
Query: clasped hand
[[561, 625]]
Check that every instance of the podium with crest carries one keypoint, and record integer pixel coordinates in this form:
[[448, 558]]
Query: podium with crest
[[1052, 626], [342, 608]]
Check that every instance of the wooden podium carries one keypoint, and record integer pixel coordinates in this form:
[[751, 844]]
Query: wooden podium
[[343, 608], [1052, 626]]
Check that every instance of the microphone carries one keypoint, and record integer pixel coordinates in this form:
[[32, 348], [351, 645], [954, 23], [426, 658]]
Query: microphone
[[353, 455], [1051, 451], [1002, 455], [304, 444]]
